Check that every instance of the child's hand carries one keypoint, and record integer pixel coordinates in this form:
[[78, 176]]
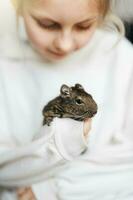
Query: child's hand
[[25, 194], [87, 127]]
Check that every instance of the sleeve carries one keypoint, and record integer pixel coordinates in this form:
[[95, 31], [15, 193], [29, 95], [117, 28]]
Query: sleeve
[[128, 125], [56, 144], [84, 180], [119, 149], [102, 175]]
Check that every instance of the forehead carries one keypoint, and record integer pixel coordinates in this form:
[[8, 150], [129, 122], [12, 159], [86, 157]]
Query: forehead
[[66, 9]]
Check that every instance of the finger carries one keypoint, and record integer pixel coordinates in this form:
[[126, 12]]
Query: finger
[[21, 193], [25, 194], [87, 127]]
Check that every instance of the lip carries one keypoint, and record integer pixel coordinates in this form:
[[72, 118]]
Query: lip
[[58, 54]]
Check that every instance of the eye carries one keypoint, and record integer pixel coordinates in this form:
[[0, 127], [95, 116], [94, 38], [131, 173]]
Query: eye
[[50, 26], [47, 24], [83, 28], [79, 101]]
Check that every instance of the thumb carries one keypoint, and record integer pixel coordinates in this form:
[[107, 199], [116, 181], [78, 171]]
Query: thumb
[[87, 127]]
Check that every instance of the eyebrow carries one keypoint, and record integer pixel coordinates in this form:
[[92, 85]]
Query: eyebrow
[[50, 19], [43, 18], [88, 20]]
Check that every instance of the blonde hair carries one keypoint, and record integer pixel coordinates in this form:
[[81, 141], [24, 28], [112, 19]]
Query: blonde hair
[[16, 4], [108, 19]]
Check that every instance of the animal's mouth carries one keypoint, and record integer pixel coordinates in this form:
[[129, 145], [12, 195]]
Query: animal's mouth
[[85, 115]]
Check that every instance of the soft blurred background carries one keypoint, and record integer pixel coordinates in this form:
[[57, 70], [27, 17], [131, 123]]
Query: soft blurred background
[[124, 9]]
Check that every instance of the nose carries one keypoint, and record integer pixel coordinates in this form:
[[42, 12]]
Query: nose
[[64, 42]]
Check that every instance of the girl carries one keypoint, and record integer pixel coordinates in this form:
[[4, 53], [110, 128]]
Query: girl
[[64, 41]]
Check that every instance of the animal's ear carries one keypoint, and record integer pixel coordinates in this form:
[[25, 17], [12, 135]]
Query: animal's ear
[[65, 91], [78, 86]]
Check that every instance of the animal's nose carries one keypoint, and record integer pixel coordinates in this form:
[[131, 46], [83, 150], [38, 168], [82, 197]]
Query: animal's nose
[[93, 112]]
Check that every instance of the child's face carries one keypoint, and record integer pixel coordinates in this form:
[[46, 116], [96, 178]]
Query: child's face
[[56, 28]]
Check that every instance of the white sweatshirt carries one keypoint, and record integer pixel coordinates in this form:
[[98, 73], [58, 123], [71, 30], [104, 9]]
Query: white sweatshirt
[[31, 154]]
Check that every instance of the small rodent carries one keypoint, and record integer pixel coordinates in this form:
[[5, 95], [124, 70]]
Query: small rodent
[[73, 102]]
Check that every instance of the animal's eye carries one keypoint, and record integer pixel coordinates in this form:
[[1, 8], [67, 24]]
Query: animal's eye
[[79, 101]]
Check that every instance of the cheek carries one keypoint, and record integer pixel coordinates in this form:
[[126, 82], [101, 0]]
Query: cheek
[[85, 38], [39, 38]]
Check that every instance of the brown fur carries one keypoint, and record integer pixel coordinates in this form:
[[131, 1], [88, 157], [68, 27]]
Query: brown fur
[[73, 102]]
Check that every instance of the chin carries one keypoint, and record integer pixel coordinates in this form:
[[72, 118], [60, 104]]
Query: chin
[[53, 58], [50, 59]]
